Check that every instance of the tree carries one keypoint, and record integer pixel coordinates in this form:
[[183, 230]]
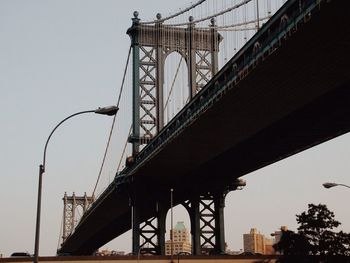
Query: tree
[[341, 246], [316, 226], [292, 244], [315, 236]]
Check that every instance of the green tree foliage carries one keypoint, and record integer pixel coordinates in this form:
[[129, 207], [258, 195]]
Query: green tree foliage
[[315, 236]]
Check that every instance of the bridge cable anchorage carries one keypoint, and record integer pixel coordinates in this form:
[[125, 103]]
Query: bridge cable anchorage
[[212, 16], [112, 126], [161, 20]]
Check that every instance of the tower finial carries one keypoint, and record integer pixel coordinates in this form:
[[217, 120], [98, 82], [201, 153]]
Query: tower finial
[[135, 19], [212, 21]]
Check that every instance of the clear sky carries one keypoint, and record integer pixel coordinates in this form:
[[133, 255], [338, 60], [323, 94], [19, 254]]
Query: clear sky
[[58, 57]]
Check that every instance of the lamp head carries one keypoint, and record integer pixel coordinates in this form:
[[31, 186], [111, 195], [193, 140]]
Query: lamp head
[[329, 185], [109, 110], [238, 184]]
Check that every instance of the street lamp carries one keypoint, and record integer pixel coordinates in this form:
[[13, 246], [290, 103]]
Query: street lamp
[[330, 185], [139, 253], [172, 226], [110, 111]]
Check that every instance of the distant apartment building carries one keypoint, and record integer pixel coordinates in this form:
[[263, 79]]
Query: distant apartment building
[[181, 240], [254, 242]]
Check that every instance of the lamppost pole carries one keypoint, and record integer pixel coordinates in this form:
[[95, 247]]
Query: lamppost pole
[[111, 110], [172, 226]]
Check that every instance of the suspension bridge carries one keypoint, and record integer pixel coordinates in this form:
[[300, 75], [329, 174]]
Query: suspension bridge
[[209, 94]]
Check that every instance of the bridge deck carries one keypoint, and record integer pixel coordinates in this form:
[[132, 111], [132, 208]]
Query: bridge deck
[[294, 98]]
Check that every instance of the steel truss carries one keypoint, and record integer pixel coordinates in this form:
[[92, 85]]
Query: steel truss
[[206, 211], [148, 236], [151, 45], [207, 222], [70, 208]]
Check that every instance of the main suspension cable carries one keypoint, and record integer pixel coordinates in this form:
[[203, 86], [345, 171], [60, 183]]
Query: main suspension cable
[[174, 15], [61, 232], [212, 16], [237, 29], [113, 122], [242, 24]]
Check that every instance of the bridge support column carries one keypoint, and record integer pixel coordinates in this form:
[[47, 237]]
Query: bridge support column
[[219, 205], [207, 222], [193, 210], [135, 214], [162, 212], [135, 138], [148, 237]]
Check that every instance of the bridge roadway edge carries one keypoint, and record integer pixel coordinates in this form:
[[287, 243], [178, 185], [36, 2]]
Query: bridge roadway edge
[[322, 95], [181, 258], [156, 259]]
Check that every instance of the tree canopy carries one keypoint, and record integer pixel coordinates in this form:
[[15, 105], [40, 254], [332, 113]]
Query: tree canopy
[[315, 235]]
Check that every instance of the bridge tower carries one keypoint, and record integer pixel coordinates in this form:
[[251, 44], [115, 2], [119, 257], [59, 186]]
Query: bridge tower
[[198, 47], [70, 209], [151, 44]]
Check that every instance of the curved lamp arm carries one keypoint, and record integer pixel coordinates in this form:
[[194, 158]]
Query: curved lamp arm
[[329, 185], [110, 111], [54, 129]]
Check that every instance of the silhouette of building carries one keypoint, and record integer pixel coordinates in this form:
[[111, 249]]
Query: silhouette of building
[[277, 234], [181, 240]]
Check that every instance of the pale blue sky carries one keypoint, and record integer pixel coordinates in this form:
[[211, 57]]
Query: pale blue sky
[[58, 57]]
